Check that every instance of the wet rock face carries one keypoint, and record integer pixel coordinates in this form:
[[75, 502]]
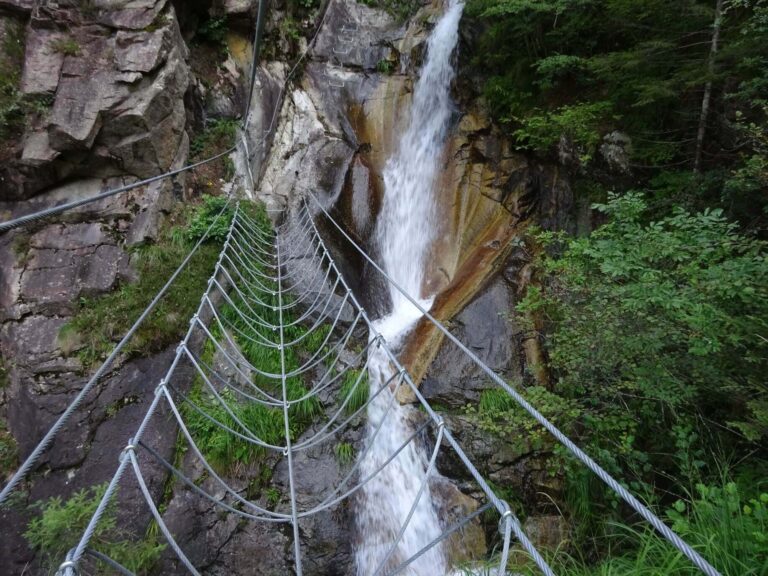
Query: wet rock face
[[114, 76], [485, 326]]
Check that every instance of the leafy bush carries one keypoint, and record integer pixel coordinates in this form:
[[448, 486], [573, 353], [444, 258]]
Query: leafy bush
[[218, 136], [205, 216], [579, 123], [499, 414], [654, 323], [61, 523], [214, 31], [385, 66]]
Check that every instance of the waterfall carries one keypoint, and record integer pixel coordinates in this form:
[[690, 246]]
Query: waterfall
[[404, 232]]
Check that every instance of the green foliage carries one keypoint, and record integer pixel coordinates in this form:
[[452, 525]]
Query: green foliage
[[101, 320], [309, 4], [67, 46], [385, 67], [354, 386], [725, 526], [60, 524], [579, 123], [273, 496], [214, 31], [222, 448], [584, 68], [205, 217], [217, 137], [290, 28], [654, 323], [345, 453], [500, 415]]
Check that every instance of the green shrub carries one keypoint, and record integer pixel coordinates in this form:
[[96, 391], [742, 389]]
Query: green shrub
[[217, 137], [385, 67], [214, 31], [61, 524], [205, 216], [579, 123]]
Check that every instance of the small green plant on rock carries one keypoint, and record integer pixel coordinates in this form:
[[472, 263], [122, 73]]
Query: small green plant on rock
[[355, 387], [61, 523], [214, 31], [345, 453], [385, 67], [9, 452], [67, 46]]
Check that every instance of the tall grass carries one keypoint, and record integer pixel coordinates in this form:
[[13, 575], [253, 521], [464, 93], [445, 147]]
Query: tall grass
[[728, 528], [267, 423], [355, 387]]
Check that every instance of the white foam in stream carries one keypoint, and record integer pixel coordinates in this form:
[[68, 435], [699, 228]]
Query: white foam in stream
[[404, 232]]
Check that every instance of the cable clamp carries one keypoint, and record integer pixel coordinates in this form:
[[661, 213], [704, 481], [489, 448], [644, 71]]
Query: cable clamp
[[506, 515], [285, 452], [160, 387], [440, 423], [130, 447], [71, 564]]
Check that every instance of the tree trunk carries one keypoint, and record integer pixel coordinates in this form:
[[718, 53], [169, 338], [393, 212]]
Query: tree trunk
[[708, 87]]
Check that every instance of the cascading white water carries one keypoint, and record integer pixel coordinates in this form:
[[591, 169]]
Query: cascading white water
[[404, 232]]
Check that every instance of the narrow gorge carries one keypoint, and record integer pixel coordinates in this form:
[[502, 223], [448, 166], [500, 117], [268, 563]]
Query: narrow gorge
[[322, 173]]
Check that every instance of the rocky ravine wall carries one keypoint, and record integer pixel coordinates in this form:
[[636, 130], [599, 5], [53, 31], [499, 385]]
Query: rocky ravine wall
[[117, 96], [336, 131]]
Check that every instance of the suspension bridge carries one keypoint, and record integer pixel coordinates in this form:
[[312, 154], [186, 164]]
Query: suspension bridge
[[251, 295], [254, 296]]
